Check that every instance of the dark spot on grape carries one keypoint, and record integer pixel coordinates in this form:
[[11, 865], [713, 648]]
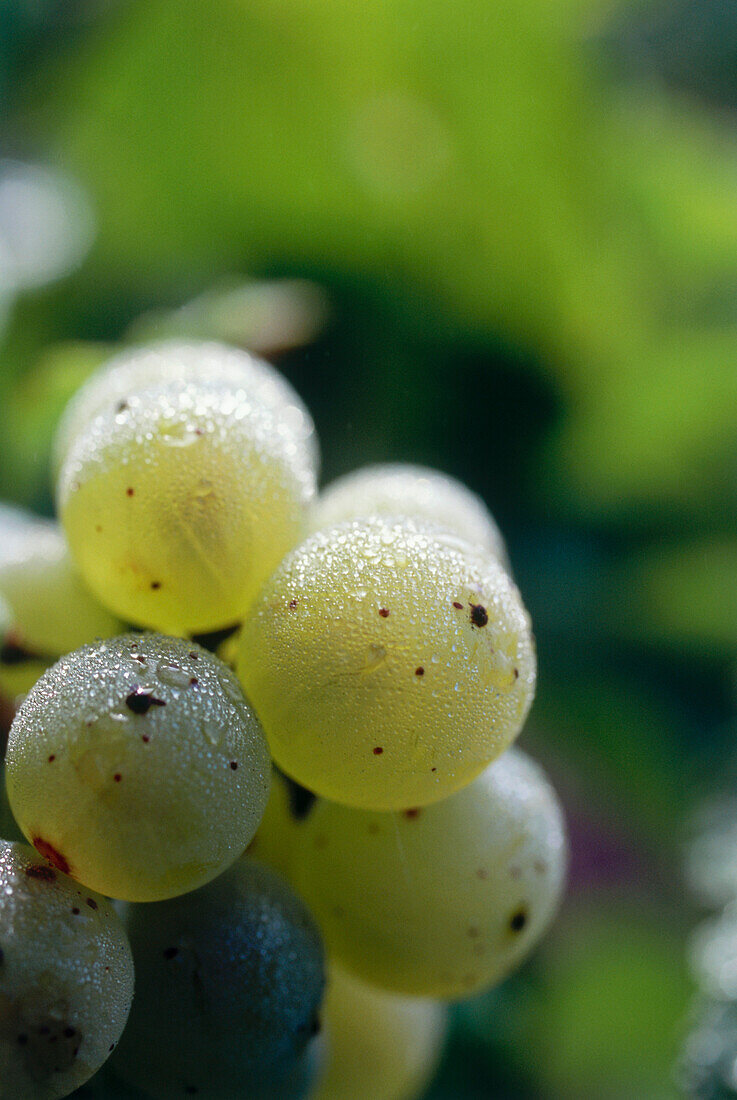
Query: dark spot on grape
[[49, 852], [121, 406], [155, 585], [479, 616], [75, 911], [145, 738], [129, 491], [515, 673], [198, 431], [419, 671], [194, 656], [98, 529], [378, 751], [22, 1039], [300, 799], [412, 813], [384, 612], [518, 920], [92, 903], [52, 758], [112, 1045], [117, 777], [234, 764], [171, 952], [140, 701], [293, 603], [433, 769], [193, 681], [69, 1032], [457, 605]]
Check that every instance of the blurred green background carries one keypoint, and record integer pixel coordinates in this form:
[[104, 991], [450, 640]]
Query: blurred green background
[[499, 239]]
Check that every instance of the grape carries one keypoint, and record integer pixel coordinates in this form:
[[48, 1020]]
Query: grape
[[52, 611], [138, 369], [389, 662], [378, 1044], [66, 979], [444, 900], [415, 491], [136, 766], [178, 506], [229, 983]]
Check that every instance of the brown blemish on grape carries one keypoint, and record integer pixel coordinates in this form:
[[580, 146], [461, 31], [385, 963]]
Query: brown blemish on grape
[[140, 701], [293, 603], [194, 656], [419, 671], [482, 873], [384, 612], [378, 750], [98, 528], [458, 606], [518, 920], [92, 903], [111, 1048], [45, 874], [540, 866], [76, 911], [155, 585], [145, 738], [515, 673], [121, 406], [412, 813], [433, 769], [479, 616], [52, 758], [234, 765], [49, 852], [193, 681], [171, 952], [117, 777], [129, 491]]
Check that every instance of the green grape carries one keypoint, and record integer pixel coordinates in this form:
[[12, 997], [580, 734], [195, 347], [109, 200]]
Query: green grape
[[440, 901], [138, 369], [229, 981], [415, 491], [136, 766], [389, 662], [8, 826], [66, 979], [378, 1044], [52, 611], [178, 506]]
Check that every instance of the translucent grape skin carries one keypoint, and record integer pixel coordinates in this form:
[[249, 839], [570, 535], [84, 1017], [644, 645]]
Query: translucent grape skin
[[137, 767], [179, 505], [441, 901], [378, 1044], [400, 489], [230, 981], [66, 979], [389, 662], [185, 361]]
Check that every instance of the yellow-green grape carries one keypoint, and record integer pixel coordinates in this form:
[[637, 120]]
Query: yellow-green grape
[[229, 982], [275, 838], [389, 662], [52, 610], [439, 901], [185, 361], [179, 506], [136, 766], [377, 1044], [415, 491], [66, 979]]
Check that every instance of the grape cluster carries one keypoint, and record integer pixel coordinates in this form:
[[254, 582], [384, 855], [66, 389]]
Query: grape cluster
[[271, 725]]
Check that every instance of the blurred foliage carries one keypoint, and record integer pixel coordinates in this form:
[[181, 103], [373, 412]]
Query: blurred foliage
[[515, 226]]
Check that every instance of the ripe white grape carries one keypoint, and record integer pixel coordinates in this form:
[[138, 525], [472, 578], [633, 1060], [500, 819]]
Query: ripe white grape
[[178, 506], [443, 900], [137, 767], [399, 489], [66, 978], [229, 984], [138, 369], [388, 661], [377, 1044]]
